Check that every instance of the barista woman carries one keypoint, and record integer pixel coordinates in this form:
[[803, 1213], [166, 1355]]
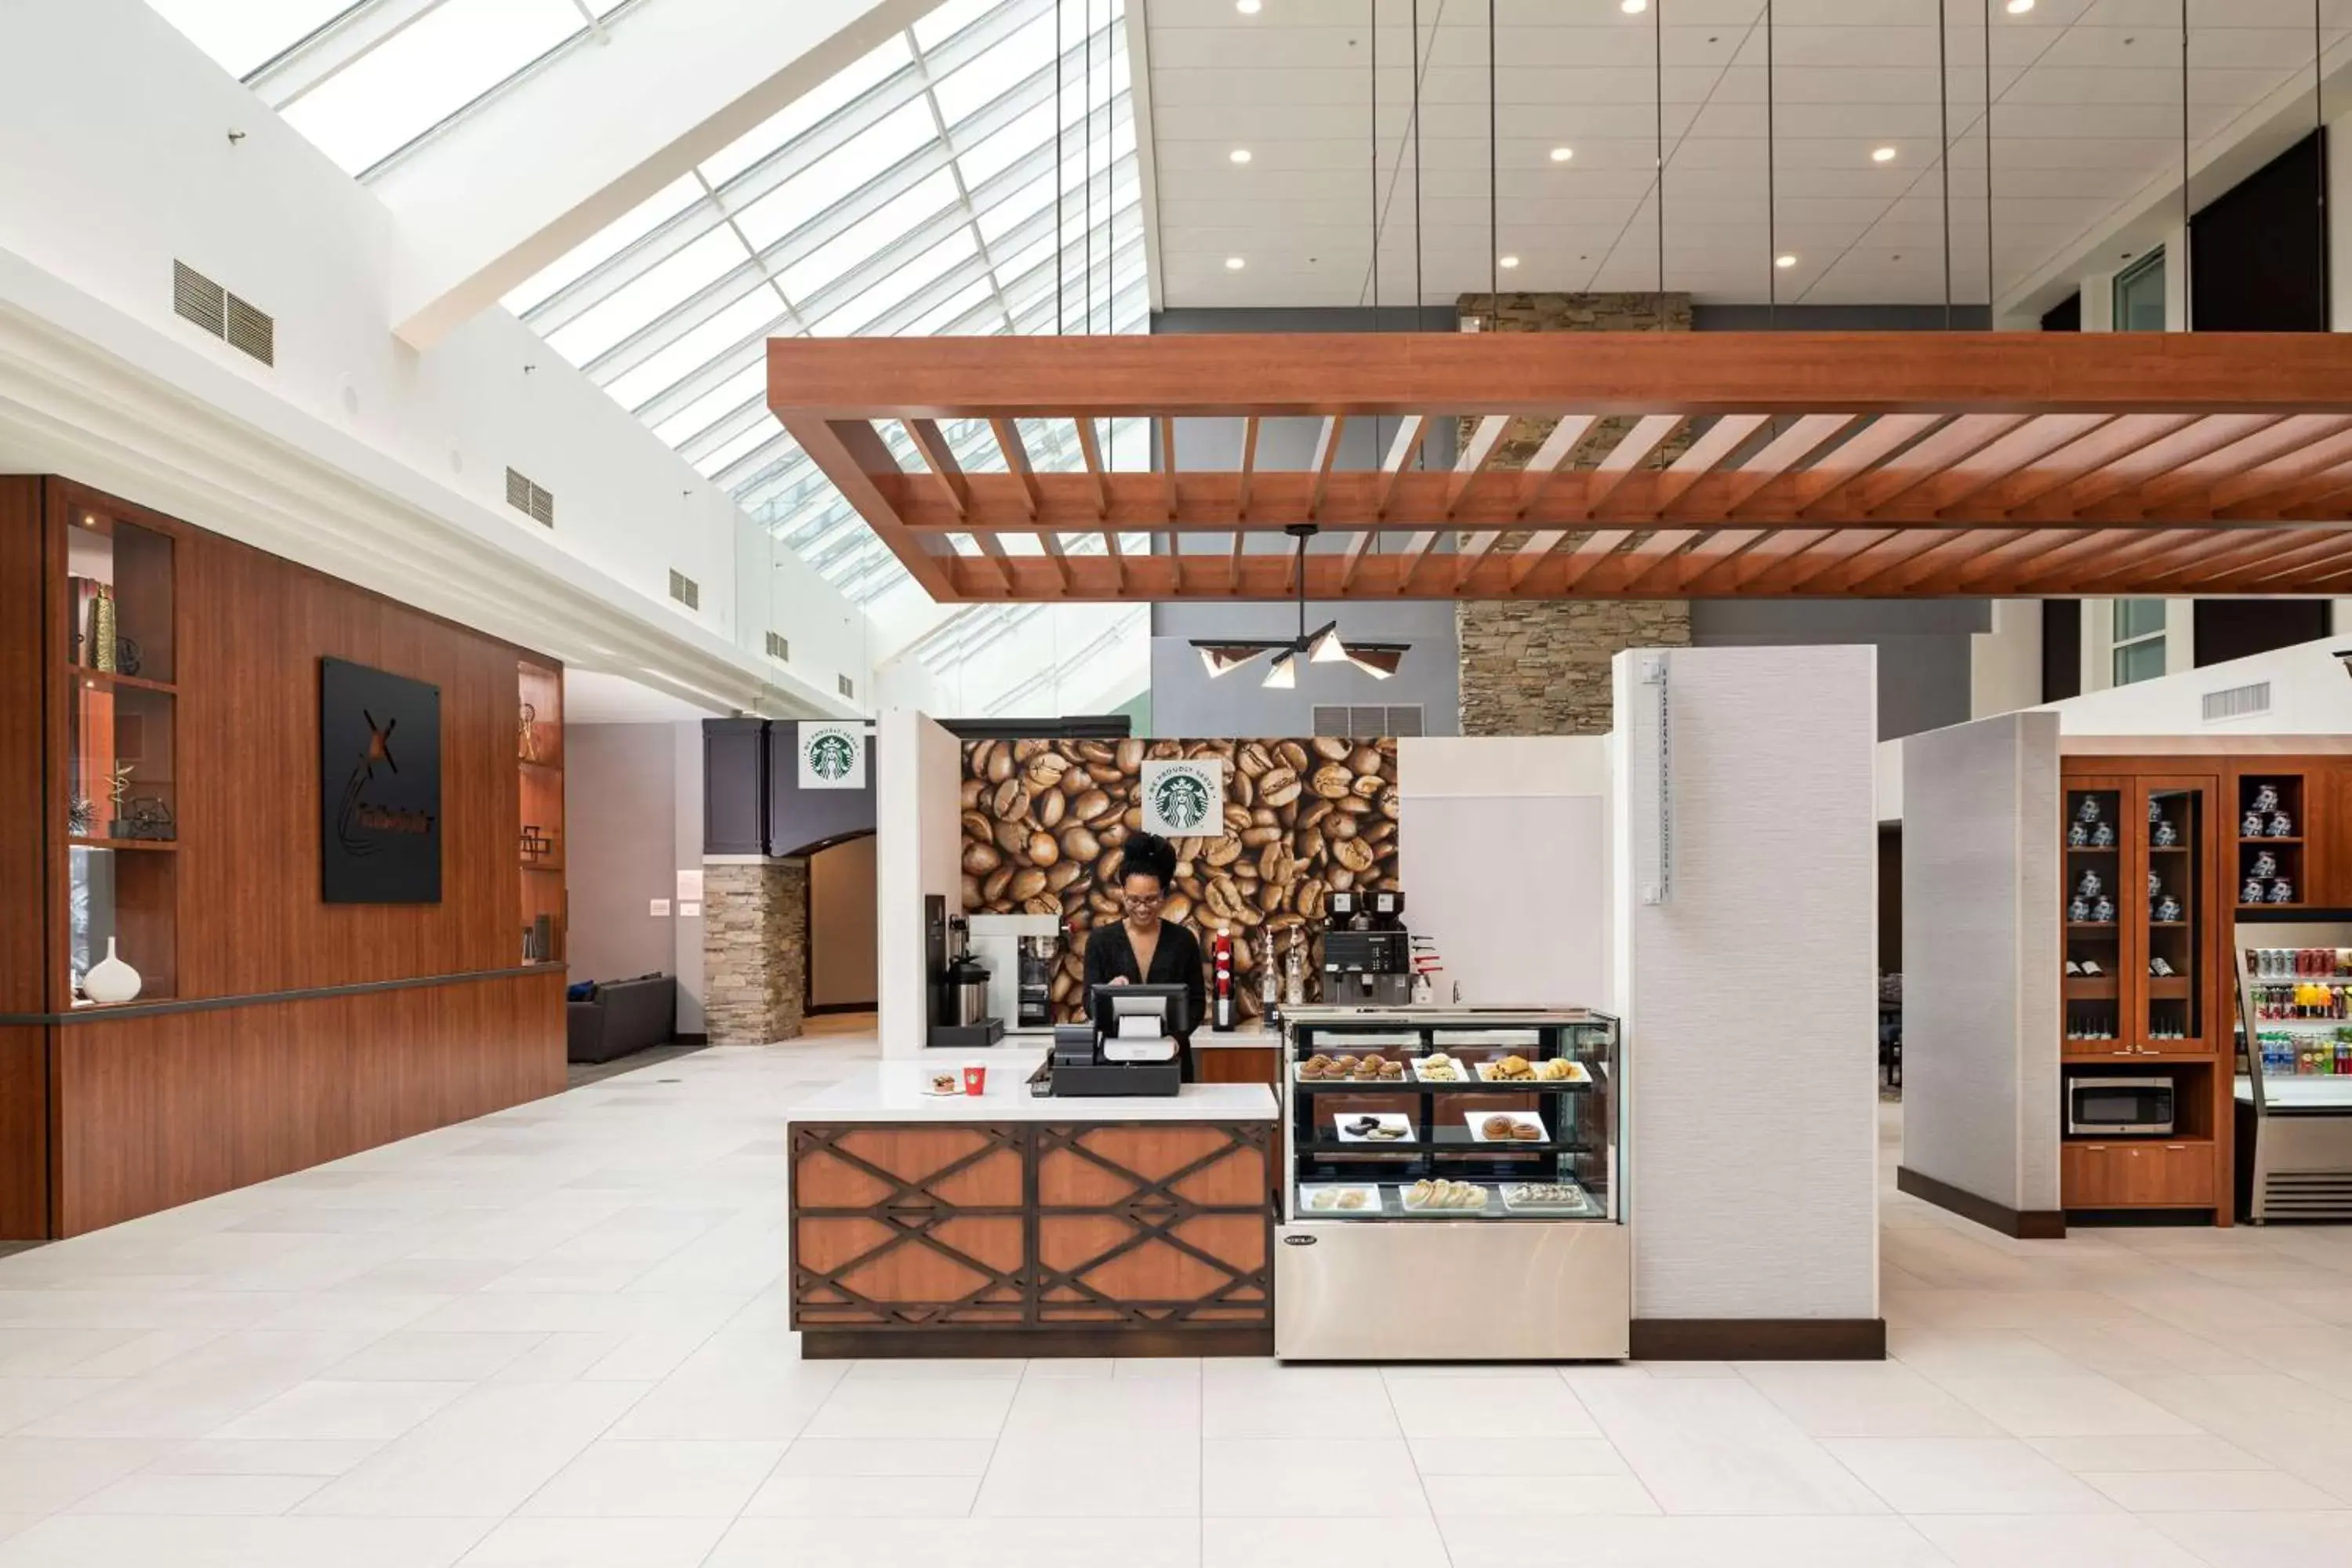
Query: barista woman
[[1144, 949]]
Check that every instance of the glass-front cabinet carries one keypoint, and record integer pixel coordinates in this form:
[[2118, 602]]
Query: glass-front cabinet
[[1449, 1158], [2140, 860]]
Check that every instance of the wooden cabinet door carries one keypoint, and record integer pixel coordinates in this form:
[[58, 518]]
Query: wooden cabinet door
[[2096, 1013], [2173, 1012], [2328, 832], [2137, 1176]]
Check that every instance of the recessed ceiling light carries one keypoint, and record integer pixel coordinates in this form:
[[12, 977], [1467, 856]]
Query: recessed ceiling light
[[1247, 8], [1239, 155], [1632, 7], [1882, 154], [2020, 7], [1562, 154], [1784, 262], [1506, 262], [1235, 263]]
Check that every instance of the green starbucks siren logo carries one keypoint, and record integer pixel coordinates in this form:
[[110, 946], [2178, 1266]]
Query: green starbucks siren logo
[[1180, 797], [831, 755]]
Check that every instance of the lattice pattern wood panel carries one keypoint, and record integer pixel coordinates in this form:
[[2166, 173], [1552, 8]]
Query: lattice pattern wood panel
[[1161, 1227], [1810, 463]]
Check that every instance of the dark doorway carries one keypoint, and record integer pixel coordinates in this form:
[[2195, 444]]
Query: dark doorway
[[2062, 649], [2067, 316]]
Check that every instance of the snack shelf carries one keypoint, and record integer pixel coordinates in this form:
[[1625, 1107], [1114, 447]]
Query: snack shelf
[[1441, 1085]]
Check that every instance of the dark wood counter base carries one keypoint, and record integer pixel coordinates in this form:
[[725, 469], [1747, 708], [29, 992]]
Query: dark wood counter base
[[896, 1345], [1032, 1238]]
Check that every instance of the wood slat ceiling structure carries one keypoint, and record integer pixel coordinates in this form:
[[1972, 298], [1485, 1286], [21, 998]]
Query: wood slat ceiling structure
[[1660, 466]]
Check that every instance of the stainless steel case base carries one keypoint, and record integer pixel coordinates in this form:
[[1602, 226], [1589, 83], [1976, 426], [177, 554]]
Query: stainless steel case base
[[1444, 1290]]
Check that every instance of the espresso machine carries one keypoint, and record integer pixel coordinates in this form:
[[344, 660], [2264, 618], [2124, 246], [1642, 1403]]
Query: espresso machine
[[1367, 951], [1020, 953], [960, 1018]]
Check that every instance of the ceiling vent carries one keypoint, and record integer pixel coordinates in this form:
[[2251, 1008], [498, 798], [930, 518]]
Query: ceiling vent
[[2237, 702], [530, 499], [685, 589], [778, 649], [847, 687], [244, 326]]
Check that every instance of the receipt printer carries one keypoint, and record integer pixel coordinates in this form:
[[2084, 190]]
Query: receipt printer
[[1128, 1046]]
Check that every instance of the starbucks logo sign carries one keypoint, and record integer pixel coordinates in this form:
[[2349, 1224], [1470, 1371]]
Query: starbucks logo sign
[[833, 756], [1184, 797]]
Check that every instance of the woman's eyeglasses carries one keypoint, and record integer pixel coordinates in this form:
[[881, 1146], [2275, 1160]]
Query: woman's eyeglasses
[[1144, 901]]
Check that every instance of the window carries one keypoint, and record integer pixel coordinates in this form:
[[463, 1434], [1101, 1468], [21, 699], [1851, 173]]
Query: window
[[2138, 640], [2140, 296]]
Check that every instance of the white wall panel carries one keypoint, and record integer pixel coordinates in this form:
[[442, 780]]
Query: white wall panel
[[917, 849], [1751, 994], [1980, 1004]]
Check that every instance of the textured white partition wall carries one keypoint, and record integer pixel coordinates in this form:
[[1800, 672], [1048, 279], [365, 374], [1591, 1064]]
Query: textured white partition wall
[[918, 842], [1504, 851], [1980, 1003], [1751, 997]]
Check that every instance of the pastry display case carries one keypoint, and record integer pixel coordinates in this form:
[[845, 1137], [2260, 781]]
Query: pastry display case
[[1440, 1160]]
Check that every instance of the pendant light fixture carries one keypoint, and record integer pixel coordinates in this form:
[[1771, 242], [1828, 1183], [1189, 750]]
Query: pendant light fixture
[[1222, 655]]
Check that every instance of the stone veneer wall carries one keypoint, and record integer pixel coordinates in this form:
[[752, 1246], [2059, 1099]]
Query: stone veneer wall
[[754, 951], [1541, 667]]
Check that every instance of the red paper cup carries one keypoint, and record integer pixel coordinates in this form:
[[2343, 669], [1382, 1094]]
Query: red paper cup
[[975, 1077]]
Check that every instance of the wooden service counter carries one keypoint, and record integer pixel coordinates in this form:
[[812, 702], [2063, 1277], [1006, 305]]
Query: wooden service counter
[[1007, 1225]]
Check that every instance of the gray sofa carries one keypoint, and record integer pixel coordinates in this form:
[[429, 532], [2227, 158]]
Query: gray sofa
[[622, 1017]]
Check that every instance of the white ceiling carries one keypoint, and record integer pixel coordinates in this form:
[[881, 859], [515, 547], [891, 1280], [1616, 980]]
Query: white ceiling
[[2087, 111]]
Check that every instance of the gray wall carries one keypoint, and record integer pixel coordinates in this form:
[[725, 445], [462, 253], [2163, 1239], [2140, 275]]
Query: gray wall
[[799, 819], [620, 809], [1186, 703], [1922, 646], [632, 817]]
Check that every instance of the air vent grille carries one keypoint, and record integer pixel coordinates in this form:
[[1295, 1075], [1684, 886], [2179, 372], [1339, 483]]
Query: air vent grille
[[528, 498], [1368, 723], [685, 590], [847, 687], [252, 332], [778, 649], [245, 327], [2237, 702], [198, 299]]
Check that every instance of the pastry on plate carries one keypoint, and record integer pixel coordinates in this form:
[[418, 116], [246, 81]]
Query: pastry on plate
[[1353, 1198], [1371, 1066], [1500, 1127], [1438, 1068], [1361, 1127], [1392, 1069], [1416, 1197], [1386, 1132], [1325, 1198]]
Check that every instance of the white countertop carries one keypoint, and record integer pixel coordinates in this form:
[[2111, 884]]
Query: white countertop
[[894, 1091]]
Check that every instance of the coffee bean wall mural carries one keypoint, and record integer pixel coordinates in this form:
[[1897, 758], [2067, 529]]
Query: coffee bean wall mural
[[1045, 823]]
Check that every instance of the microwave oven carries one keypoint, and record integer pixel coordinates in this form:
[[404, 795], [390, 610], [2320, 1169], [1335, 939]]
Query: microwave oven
[[2120, 1106]]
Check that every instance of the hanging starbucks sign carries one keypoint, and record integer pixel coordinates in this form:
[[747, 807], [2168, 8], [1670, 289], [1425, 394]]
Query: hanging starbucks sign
[[833, 756], [1184, 795]]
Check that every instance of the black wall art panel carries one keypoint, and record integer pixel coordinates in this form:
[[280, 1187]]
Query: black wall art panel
[[379, 787]]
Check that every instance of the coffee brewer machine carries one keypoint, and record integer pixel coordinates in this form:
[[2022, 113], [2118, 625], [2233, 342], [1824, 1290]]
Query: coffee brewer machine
[[1020, 951], [1367, 951], [960, 1018]]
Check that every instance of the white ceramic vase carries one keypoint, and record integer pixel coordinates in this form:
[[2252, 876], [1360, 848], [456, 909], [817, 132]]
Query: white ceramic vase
[[111, 979]]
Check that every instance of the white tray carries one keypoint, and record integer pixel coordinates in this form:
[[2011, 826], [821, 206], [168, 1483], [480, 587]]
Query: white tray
[[1576, 1075], [1475, 1120], [1386, 1119], [1583, 1206], [1307, 1209], [1465, 1075], [1485, 1205]]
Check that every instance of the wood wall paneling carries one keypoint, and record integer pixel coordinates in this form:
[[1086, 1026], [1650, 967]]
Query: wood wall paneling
[[23, 859], [24, 1133], [253, 629], [162, 1109]]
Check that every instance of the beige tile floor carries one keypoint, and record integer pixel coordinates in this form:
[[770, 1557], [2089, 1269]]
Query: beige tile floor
[[558, 1336]]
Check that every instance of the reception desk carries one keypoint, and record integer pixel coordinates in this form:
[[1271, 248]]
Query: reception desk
[[1010, 1225]]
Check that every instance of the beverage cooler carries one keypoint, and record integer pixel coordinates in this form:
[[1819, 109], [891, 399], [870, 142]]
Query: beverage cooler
[[2294, 1069]]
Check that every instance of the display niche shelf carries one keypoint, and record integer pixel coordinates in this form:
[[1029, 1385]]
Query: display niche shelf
[[114, 647], [539, 794]]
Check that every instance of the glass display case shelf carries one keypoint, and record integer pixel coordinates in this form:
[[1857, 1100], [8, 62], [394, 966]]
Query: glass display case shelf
[[1496, 1201], [1489, 1087], [101, 677]]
